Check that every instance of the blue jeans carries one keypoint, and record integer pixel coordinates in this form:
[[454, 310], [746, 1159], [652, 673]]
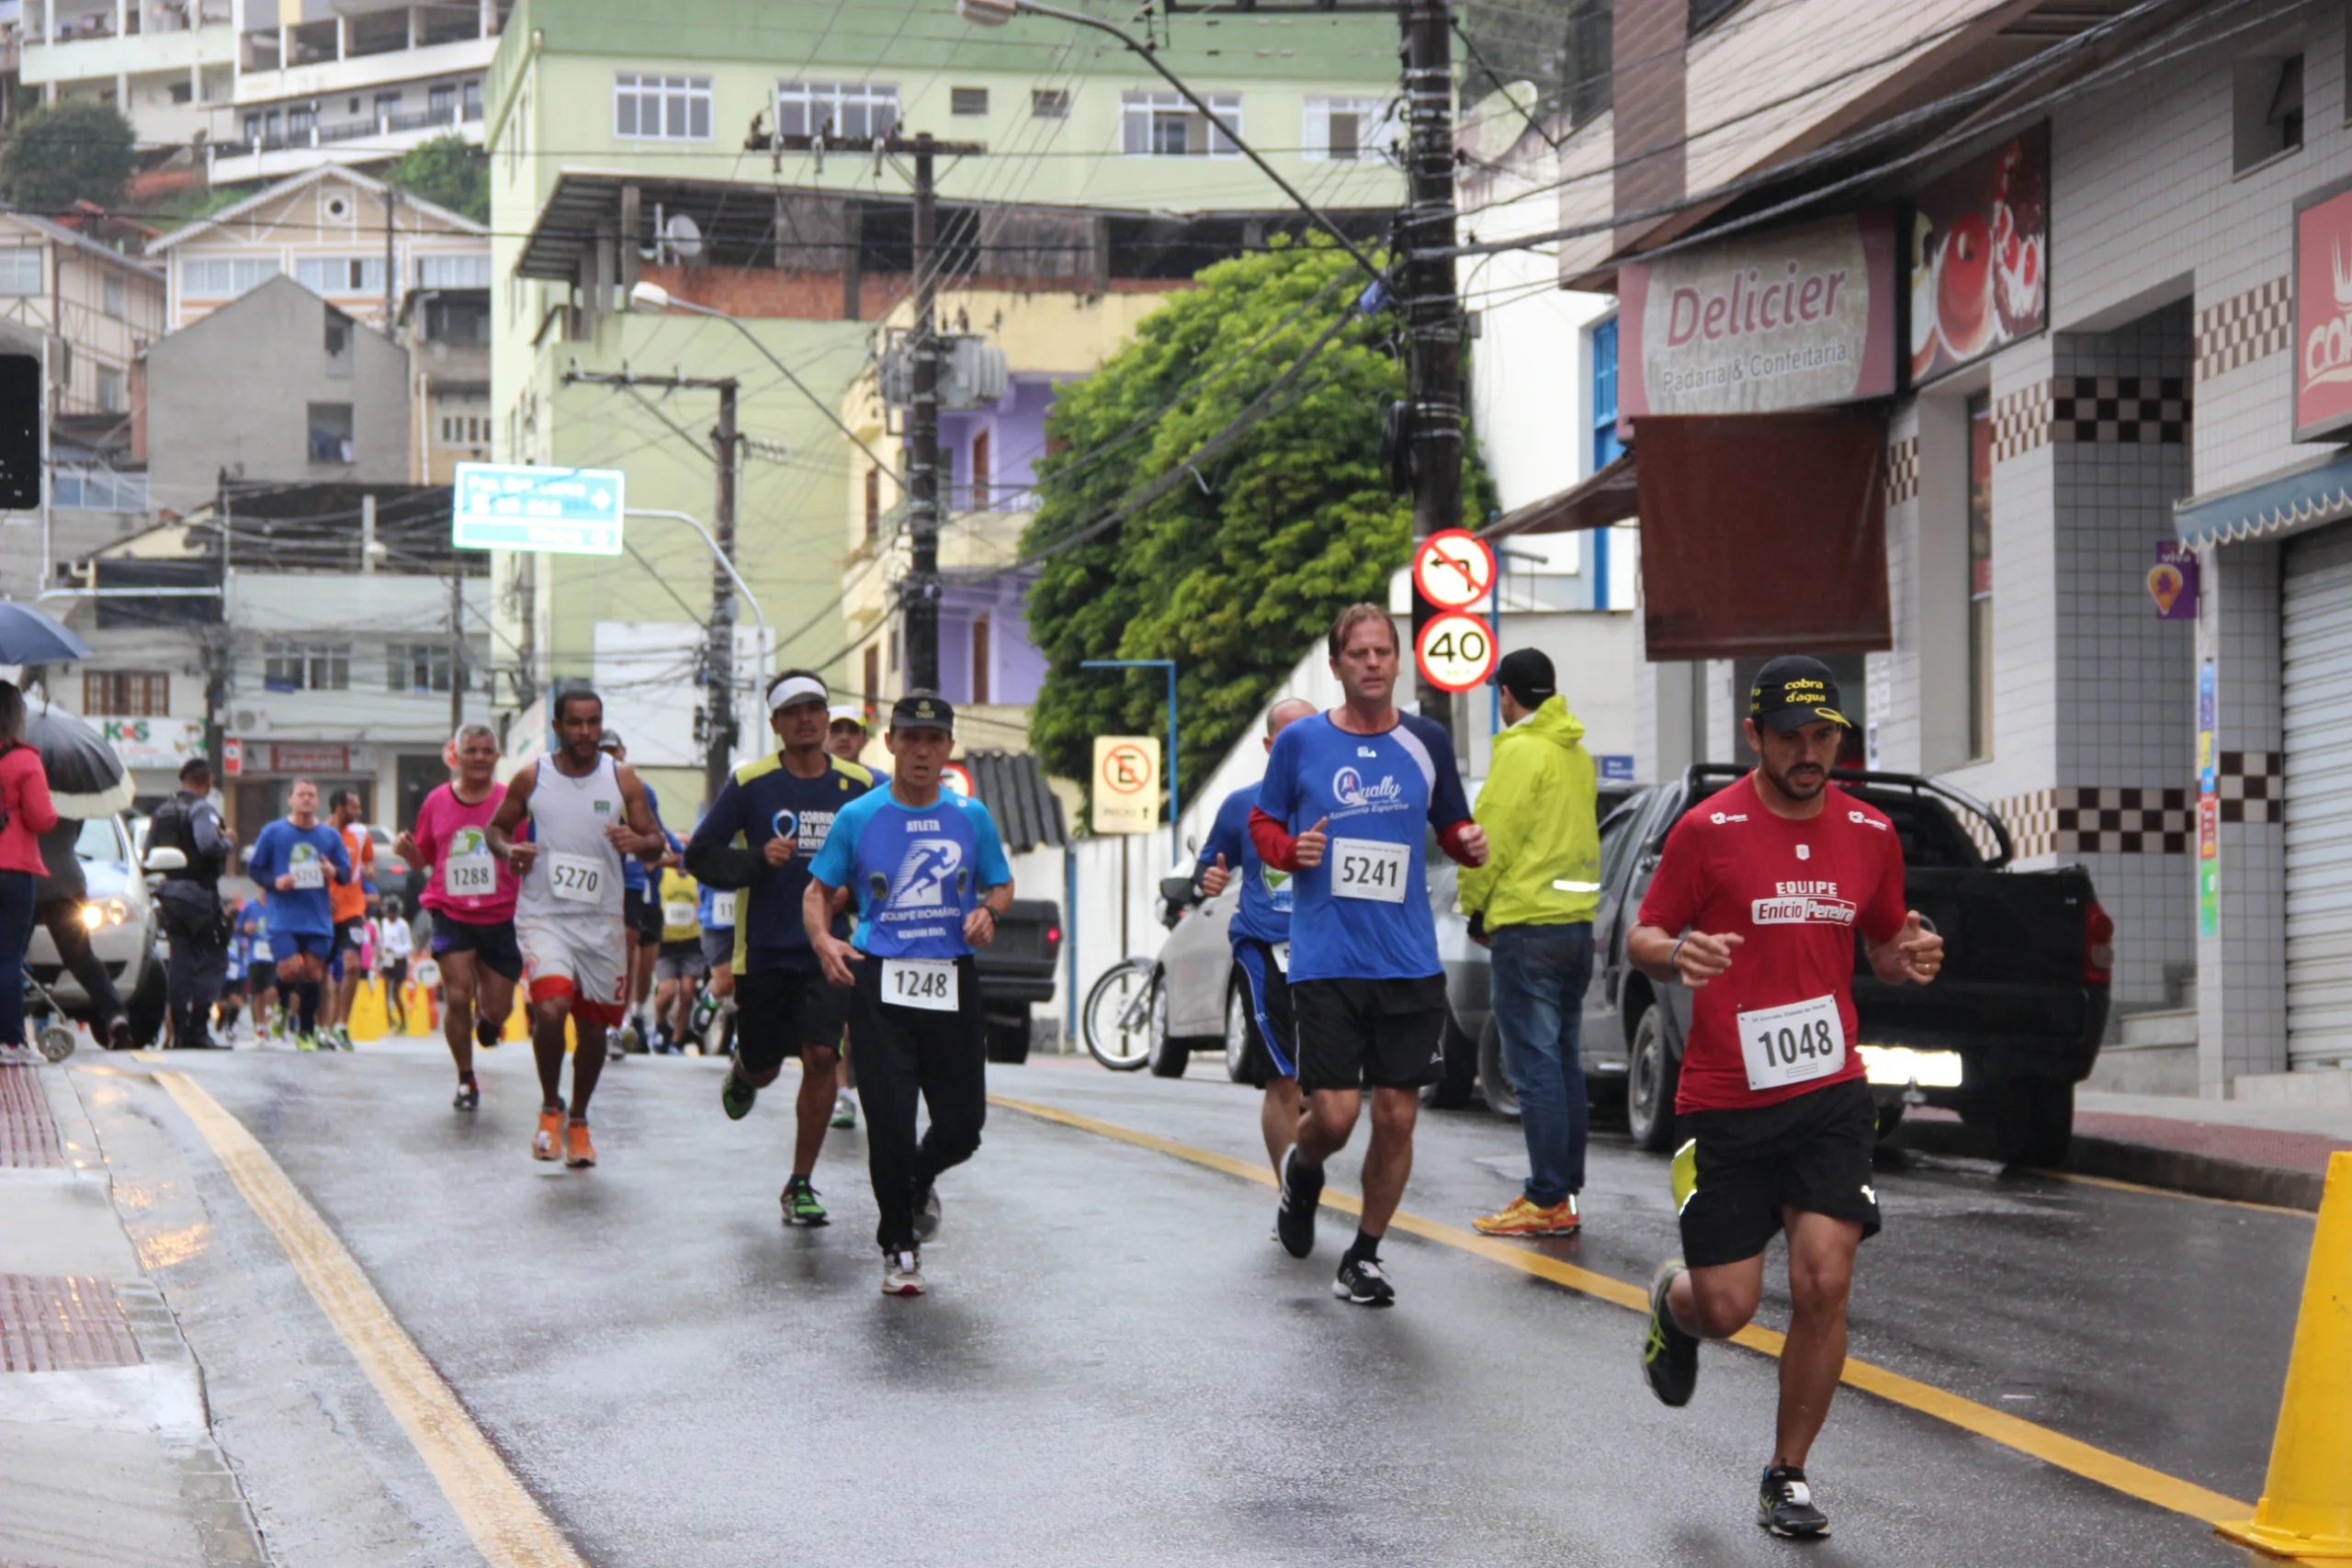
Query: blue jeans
[[16, 935], [1539, 980]]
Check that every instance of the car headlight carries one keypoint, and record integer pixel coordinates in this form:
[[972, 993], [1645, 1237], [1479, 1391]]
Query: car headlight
[[117, 911], [1900, 1065], [93, 916]]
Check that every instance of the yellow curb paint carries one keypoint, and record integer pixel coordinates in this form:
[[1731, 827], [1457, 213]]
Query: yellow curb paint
[[506, 1523], [2116, 1185], [2052, 1448]]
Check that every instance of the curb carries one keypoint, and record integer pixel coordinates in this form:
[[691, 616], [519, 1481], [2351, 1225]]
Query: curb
[[2148, 1164]]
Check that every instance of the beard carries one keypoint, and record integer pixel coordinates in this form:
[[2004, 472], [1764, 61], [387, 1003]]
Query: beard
[[1816, 779]]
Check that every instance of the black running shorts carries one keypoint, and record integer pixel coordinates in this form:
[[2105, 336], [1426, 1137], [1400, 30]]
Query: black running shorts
[[642, 913], [1382, 1033], [777, 1011], [1811, 1153], [491, 942]]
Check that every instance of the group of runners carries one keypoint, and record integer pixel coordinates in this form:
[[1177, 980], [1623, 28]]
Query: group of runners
[[299, 949]]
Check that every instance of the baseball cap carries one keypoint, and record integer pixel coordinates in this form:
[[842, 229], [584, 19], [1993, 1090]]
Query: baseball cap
[[606, 741], [922, 710], [845, 713], [1526, 675], [1792, 691]]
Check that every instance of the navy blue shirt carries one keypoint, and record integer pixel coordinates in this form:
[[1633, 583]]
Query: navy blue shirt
[[1264, 910], [765, 800]]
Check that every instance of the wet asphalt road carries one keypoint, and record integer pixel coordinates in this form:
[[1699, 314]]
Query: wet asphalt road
[[1116, 1365]]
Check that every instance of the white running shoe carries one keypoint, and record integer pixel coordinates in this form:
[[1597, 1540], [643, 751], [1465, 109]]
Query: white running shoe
[[902, 1273]]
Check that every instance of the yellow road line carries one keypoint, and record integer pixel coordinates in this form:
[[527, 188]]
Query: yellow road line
[[2083, 1460], [2118, 1185], [507, 1524]]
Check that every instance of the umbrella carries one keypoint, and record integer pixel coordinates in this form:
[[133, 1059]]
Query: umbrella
[[28, 637], [86, 778]]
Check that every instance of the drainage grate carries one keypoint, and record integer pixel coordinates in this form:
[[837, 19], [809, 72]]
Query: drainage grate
[[27, 1136], [57, 1323]]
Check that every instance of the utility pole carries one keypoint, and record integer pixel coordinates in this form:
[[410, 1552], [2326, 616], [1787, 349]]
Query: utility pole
[[718, 761], [922, 589], [1432, 312], [391, 268], [457, 650]]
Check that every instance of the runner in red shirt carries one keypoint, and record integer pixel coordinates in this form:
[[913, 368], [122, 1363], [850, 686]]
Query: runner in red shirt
[[472, 894], [1754, 908]]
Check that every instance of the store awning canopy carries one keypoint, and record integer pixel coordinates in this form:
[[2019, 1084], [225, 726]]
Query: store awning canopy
[[1609, 496], [2317, 493]]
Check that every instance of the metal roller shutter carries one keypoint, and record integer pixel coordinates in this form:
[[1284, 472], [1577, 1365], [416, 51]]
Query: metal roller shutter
[[2315, 645]]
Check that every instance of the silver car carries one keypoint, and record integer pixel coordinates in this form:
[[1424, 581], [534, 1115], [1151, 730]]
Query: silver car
[[1198, 1000], [124, 931]]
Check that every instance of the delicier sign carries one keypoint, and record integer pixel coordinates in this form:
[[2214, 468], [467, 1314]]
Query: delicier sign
[[1791, 320], [2323, 317]]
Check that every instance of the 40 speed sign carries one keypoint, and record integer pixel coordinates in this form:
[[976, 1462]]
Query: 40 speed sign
[[1456, 651]]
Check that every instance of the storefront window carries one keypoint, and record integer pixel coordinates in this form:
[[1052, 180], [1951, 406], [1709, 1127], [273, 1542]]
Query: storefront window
[[1980, 575]]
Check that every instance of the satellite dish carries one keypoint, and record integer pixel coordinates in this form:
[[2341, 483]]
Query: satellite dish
[[685, 236]]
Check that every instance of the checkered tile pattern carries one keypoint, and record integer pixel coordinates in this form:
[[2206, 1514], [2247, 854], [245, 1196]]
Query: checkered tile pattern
[[2021, 422], [2252, 785], [2084, 820], [2244, 328], [2130, 410], [1903, 471]]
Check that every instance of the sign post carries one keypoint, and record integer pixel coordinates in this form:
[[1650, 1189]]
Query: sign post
[[565, 511], [1126, 783]]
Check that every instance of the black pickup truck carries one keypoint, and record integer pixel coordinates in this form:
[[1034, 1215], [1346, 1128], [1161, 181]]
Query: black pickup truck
[[1015, 970], [2002, 1036]]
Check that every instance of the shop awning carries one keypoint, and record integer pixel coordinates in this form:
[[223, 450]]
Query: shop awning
[[1607, 497], [2317, 493]]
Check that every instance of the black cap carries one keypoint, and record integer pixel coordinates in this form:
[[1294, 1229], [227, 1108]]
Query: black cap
[[608, 739], [1793, 691], [922, 710], [1526, 675]]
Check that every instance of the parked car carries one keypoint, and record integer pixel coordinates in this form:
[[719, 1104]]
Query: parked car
[[126, 931], [1015, 971], [2003, 1035], [1198, 1000]]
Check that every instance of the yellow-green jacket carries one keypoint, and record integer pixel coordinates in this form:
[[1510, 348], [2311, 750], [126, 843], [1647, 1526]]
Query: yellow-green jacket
[[1543, 839]]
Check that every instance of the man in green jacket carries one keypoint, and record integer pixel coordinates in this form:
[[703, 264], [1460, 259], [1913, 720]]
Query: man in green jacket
[[1531, 904]]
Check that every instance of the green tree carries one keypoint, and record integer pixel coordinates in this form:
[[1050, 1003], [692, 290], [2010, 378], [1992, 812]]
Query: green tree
[[1237, 568], [75, 150], [449, 171]]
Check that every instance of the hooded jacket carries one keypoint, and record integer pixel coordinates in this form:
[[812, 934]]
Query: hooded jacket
[[1538, 807]]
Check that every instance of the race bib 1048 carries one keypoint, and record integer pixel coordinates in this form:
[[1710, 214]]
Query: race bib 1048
[[576, 878], [1369, 868], [1793, 1044], [925, 983]]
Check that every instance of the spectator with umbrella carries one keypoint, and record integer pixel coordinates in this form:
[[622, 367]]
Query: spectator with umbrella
[[85, 781], [25, 812]]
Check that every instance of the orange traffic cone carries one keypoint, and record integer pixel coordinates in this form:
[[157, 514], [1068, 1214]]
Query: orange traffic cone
[[2306, 1507]]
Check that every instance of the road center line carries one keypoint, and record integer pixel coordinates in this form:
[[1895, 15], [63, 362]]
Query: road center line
[[2092, 1464], [506, 1522]]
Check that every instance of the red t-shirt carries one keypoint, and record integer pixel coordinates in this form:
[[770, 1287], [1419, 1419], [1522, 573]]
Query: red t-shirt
[[1794, 890]]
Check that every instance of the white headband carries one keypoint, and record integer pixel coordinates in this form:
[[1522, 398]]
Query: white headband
[[798, 688]]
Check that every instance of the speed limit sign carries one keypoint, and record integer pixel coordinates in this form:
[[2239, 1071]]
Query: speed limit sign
[[1456, 651]]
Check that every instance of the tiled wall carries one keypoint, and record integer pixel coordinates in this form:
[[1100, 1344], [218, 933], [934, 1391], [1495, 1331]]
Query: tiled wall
[[2242, 971]]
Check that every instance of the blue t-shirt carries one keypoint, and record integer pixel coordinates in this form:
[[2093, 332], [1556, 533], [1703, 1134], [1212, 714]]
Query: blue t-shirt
[[1264, 910], [708, 913], [280, 849], [632, 868], [763, 800], [1364, 914], [917, 872]]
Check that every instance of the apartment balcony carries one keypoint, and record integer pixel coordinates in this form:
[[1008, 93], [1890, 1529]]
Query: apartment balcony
[[86, 46], [324, 63], [277, 155], [986, 538]]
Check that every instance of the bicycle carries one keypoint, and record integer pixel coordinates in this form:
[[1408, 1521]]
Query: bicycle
[[1116, 1020]]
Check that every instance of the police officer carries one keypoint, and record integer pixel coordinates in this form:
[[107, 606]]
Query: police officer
[[191, 902]]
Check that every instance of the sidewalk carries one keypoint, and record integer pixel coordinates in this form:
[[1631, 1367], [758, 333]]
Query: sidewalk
[[107, 1458], [2244, 1151]]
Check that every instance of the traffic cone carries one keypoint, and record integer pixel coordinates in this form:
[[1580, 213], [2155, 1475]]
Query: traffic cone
[[2306, 1507]]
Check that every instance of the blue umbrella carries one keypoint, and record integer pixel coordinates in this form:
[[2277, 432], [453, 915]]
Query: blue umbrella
[[28, 637]]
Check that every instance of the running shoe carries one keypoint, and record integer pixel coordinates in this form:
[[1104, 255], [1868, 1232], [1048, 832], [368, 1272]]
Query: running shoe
[[306, 1042], [1295, 1221], [902, 1273], [1669, 1351], [547, 1142], [927, 1213], [1785, 1507], [118, 1035], [735, 1095], [1522, 1217], [1362, 1283], [469, 1096], [342, 1038], [801, 1205], [844, 1111], [578, 1152]]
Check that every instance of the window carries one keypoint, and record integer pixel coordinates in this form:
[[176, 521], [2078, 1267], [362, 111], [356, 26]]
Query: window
[[1606, 447], [1162, 125], [387, 105], [340, 275], [472, 94], [661, 109], [1980, 577], [127, 694], [110, 398], [223, 278], [1340, 130], [1049, 103], [116, 304], [453, 272], [441, 101], [840, 112], [980, 660], [183, 93], [458, 318], [20, 270], [873, 501], [335, 344], [2267, 109], [981, 465], [464, 429], [873, 673], [301, 120], [1704, 13], [306, 666], [417, 667], [331, 432], [967, 100]]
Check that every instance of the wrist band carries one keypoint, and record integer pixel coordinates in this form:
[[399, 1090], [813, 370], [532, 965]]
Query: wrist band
[[1674, 959]]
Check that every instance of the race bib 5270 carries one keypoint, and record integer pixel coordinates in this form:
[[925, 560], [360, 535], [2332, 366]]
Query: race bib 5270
[[575, 877]]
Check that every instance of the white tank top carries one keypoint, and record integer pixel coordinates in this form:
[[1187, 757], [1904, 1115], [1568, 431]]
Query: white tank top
[[577, 875]]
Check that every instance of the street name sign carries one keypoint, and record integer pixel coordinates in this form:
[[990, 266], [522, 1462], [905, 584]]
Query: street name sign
[[1454, 569], [1126, 783], [565, 511], [1455, 651]]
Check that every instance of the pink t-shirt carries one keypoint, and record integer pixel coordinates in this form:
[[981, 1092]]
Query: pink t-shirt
[[466, 881]]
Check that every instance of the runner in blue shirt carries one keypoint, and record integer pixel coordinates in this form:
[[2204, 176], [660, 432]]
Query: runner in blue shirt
[[295, 858], [1348, 800], [928, 871], [1260, 933]]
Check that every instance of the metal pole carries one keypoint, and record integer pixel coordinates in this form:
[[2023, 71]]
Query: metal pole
[[392, 266], [1433, 367], [719, 760], [457, 653], [922, 438], [1175, 810]]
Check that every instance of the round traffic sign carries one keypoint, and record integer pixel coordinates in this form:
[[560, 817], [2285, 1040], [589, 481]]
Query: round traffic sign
[[1455, 651], [1454, 569], [1128, 769], [956, 778]]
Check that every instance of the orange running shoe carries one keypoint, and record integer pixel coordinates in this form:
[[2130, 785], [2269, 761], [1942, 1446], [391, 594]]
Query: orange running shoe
[[578, 1152], [1524, 1218], [547, 1142]]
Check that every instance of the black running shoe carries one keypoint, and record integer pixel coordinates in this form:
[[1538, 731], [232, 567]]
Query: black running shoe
[[1669, 1352], [1362, 1283], [469, 1096], [1295, 1221], [927, 1215], [1785, 1507]]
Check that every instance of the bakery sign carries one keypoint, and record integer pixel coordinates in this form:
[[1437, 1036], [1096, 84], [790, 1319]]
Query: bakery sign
[[2323, 356], [1796, 319]]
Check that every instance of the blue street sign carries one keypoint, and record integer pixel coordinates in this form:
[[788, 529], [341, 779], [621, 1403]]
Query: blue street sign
[[1616, 767], [571, 512]]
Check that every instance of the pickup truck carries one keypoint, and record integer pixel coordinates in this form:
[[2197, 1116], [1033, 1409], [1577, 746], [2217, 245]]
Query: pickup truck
[[1016, 970], [2002, 1036]]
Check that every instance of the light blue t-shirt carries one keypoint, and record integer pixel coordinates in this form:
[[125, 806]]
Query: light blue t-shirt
[[916, 872]]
